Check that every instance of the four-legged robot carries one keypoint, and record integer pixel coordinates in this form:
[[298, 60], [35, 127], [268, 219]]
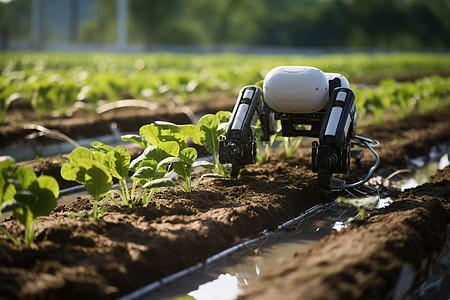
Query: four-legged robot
[[299, 96]]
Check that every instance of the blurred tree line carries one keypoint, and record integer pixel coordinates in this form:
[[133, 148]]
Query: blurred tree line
[[299, 23], [14, 19], [312, 23]]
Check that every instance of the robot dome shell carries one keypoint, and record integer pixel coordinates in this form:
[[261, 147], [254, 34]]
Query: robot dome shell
[[295, 89]]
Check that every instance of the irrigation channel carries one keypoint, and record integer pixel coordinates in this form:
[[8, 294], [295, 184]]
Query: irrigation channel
[[225, 275]]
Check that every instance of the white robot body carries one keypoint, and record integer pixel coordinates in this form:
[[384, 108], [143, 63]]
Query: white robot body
[[296, 89], [344, 81]]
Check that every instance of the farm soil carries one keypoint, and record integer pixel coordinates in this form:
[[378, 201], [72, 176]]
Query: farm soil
[[129, 248]]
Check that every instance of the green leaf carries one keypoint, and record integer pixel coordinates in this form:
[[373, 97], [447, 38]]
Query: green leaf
[[134, 138], [119, 162], [166, 161], [102, 158], [99, 146], [150, 133], [168, 149], [47, 190], [145, 174], [150, 153], [29, 200], [161, 182], [160, 132], [97, 178], [191, 131], [7, 162], [80, 153], [49, 183], [205, 164], [188, 155], [209, 136], [25, 176], [71, 172], [223, 116], [172, 132], [9, 191]]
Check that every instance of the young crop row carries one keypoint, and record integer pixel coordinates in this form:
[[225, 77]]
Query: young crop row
[[166, 152], [56, 82], [403, 98]]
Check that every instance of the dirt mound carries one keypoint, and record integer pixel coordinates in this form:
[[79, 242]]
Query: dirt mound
[[380, 258], [132, 247]]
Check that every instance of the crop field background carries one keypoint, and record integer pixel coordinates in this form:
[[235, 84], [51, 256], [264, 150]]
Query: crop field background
[[55, 83]]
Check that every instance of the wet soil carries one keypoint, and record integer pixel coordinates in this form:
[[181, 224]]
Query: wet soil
[[129, 248], [383, 257]]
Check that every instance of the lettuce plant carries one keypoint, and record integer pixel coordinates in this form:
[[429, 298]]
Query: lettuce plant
[[88, 168], [159, 132], [26, 195], [184, 164], [146, 169], [290, 145], [207, 133], [117, 161]]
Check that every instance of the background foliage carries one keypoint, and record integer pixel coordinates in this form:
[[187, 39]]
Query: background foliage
[[326, 23], [311, 23]]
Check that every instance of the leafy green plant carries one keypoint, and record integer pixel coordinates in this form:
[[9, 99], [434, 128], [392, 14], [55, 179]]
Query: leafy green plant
[[290, 145], [207, 133], [159, 132], [147, 171], [184, 164], [263, 148], [26, 195], [117, 161], [84, 167], [55, 81], [362, 205]]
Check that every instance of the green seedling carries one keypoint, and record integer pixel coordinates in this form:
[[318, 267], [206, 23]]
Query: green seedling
[[362, 205], [117, 161], [26, 195], [84, 167], [207, 133], [264, 148], [290, 145], [184, 164], [159, 132], [146, 170]]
